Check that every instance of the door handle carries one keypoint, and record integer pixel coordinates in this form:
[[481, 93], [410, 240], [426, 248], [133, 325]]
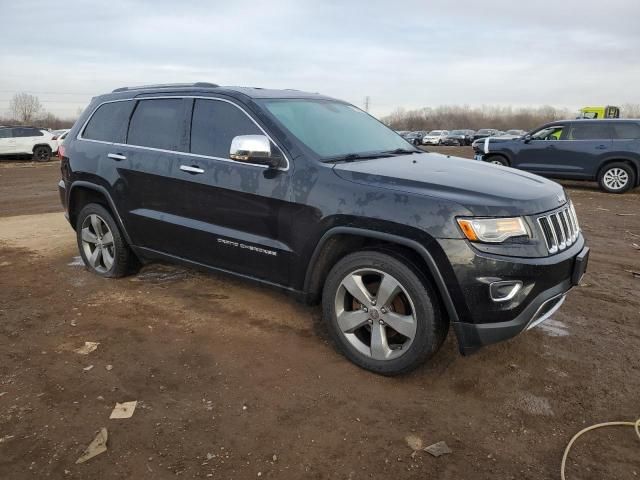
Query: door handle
[[188, 169], [601, 147], [116, 156]]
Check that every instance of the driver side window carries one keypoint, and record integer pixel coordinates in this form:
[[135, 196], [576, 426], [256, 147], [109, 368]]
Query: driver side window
[[551, 133]]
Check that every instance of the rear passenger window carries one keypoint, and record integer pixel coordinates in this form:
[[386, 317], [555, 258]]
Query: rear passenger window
[[109, 122], [589, 131], [626, 131], [214, 124], [157, 124]]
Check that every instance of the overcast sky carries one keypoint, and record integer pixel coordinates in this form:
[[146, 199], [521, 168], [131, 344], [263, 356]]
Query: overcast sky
[[565, 53]]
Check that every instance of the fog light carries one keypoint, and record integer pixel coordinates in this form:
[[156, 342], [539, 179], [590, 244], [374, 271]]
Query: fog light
[[504, 291]]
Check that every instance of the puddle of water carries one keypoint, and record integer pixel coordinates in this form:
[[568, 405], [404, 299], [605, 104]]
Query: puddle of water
[[554, 328], [76, 262]]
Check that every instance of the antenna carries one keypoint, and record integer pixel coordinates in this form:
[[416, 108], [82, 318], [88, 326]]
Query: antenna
[[367, 100]]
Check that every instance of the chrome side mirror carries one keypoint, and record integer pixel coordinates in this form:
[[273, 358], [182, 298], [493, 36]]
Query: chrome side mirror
[[254, 149]]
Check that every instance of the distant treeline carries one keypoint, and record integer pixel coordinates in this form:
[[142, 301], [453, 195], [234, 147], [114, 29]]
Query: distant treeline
[[48, 120], [502, 118]]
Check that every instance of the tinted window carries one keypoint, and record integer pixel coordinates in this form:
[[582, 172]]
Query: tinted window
[[157, 124], [624, 131], [5, 133], [589, 131], [109, 122], [27, 132], [213, 126]]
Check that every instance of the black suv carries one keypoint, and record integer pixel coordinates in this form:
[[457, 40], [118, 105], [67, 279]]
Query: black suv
[[607, 151], [313, 195]]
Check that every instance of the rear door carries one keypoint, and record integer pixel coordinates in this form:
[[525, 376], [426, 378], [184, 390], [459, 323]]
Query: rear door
[[585, 146], [156, 137], [231, 215], [25, 138]]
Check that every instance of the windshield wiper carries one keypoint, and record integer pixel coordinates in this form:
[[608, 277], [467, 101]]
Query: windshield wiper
[[401, 151], [352, 157]]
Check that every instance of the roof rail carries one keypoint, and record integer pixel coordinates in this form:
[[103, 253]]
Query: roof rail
[[168, 85]]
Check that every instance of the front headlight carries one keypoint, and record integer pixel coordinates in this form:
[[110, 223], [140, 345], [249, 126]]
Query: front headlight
[[492, 230]]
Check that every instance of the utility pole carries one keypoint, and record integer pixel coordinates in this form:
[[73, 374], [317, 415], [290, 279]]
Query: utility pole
[[366, 103]]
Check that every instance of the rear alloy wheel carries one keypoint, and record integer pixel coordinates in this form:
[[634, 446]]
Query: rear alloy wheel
[[101, 244], [380, 314], [617, 178], [41, 154]]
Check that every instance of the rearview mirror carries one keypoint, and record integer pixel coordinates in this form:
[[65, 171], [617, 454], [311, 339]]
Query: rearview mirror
[[526, 138], [254, 149]]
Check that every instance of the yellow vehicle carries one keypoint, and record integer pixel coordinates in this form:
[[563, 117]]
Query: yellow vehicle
[[599, 112]]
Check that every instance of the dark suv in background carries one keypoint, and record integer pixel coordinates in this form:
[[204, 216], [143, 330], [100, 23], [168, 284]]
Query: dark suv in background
[[607, 151], [314, 196]]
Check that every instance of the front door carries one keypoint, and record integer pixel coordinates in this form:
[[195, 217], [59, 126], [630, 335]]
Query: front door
[[7, 142], [540, 153], [233, 215]]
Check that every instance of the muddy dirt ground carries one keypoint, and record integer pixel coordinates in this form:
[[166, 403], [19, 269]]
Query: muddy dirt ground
[[237, 381]]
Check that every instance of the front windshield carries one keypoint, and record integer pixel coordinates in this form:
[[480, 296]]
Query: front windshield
[[332, 129], [435, 132], [482, 131]]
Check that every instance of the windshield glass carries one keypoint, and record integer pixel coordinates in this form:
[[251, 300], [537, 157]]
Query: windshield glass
[[435, 132], [483, 131], [331, 128]]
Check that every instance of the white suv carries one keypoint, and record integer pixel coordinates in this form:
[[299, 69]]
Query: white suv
[[435, 137], [27, 141]]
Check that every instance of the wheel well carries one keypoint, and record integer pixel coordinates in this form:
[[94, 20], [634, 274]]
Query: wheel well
[[81, 196], [341, 245], [633, 166], [501, 155]]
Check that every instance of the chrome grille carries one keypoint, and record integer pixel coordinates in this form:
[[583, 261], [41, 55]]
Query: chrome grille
[[560, 228]]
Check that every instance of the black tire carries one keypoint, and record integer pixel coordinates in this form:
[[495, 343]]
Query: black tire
[[124, 261], [611, 179], [430, 329], [41, 153], [498, 160]]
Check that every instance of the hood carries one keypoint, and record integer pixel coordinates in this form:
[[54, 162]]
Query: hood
[[482, 188]]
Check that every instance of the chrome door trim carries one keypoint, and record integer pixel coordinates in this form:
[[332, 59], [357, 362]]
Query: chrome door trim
[[135, 99], [187, 168]]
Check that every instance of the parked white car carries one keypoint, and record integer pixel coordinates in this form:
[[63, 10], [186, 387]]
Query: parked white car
[[435, 137], [59, 136], [32, 141]]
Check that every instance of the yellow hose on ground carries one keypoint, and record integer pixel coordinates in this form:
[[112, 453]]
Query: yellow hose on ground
[[635, 425]]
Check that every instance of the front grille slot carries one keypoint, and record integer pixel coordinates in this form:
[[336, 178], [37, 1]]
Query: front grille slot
[[560, 229]]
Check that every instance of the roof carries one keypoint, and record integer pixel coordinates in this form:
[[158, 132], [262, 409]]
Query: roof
[[182, 88]]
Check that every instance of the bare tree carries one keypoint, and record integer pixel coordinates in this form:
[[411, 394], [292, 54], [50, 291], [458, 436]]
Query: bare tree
[[456, 116], [24, 107]]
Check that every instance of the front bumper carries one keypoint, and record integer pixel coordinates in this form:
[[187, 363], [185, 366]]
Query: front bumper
[[483, 320]]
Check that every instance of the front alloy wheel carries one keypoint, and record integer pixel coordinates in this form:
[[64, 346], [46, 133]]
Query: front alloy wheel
[[381, 314], [375, 314]]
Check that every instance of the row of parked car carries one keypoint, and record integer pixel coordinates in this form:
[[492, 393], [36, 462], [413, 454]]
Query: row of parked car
[[456, 137], [38, 143]]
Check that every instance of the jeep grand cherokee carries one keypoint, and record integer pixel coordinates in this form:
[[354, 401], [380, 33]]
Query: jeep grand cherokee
[[312, 195]]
